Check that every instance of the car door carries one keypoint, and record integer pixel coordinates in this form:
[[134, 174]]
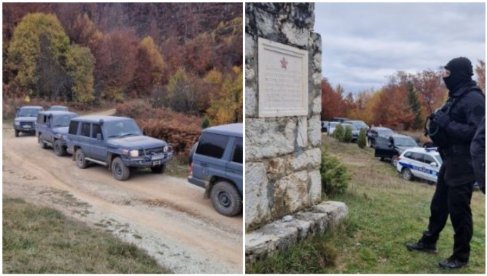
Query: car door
[[99, 150], [208, 158], [85, 140], [431, 171], [417, 165], [233, 170]]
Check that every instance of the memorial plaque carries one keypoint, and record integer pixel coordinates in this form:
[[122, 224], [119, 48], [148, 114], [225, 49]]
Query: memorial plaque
[[282, 79]]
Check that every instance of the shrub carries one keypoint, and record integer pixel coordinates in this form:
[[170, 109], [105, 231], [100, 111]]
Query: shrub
[[362, 138], [339, 133], [334, 175], [347, 135], [205, 122]]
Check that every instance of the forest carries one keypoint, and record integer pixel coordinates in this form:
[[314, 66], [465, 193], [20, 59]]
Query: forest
[[183, 61], [403, 103]]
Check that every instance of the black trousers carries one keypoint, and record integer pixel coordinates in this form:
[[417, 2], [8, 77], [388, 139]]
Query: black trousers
[[453, 201]]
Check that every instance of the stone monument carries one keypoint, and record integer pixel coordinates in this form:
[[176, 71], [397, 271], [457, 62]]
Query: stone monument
[[283, 131]]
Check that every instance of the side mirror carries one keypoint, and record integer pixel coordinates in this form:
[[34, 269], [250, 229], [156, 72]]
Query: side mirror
[[433, 164], [99, 136]]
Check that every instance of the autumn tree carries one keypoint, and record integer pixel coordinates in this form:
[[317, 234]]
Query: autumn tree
[[79, 63], [415, 107], [150, 67], [24, 49], [115, 65], [332, 102], [226, 106], [181, 95], [480, 75]]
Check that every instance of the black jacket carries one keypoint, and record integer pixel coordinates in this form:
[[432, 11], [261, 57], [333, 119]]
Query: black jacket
[[465, 116], [478, 154]]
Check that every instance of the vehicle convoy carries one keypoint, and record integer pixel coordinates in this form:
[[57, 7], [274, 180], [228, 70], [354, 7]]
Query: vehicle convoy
[[52, 128], [422, 163], [115, 142], [58, 108], [391, 147], [376, 132], [25, 119], [216, 166]]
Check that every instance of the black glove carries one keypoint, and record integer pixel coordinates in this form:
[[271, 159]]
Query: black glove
[[442, 119]]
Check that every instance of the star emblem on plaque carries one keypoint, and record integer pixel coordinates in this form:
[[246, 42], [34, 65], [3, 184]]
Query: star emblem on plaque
[[284, 63]]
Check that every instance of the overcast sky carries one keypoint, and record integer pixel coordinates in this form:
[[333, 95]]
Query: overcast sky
[[363, 43]]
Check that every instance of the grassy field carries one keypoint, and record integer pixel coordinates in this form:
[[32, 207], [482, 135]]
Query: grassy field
[[385, 212], [42, 240]]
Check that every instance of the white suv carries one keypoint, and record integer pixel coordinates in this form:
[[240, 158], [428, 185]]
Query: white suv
[[423, 163]]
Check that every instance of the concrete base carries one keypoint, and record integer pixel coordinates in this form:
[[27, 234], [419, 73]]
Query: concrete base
[[281, 234]]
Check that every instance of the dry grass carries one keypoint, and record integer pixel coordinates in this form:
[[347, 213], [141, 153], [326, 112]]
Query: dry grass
[[42, 240]]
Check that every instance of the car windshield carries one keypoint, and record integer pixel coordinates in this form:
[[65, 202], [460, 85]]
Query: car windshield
[[58, 108], [121, 128], [62, 120], [359, 124], [384, 131], [28, 112], [405, 142]]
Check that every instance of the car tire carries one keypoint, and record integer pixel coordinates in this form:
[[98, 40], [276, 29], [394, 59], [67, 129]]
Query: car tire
[[41, 143], [58, 148], [226, 199], [17, 133], [80, 159], [119, 171], [407, 174], [158, 169]]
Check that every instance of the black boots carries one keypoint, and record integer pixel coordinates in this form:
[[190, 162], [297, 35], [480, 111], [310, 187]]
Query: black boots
[[423, 247], [452, 263], [449, 263]]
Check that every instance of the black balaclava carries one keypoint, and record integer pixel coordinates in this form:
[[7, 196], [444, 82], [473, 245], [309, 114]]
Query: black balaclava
[[461, 72]]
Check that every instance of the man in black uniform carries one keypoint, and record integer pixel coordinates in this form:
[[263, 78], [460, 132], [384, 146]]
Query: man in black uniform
[[454, 189]]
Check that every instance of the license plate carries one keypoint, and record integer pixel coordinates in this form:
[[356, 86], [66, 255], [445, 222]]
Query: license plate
[[27, 126], [156, 157], [156, 163]]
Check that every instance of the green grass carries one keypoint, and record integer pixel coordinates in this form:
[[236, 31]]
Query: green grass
[[385, 212], [178, 166], [42, 240]]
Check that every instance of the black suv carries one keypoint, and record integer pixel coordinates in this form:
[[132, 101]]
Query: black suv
[[115, 142]]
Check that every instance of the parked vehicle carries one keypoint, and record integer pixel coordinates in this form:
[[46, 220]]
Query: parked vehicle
[[376, 132], [340, 119], [58, 108], [391, 147], [331, 128], [25, 119], [422, 163], [356, 127], [115, 142], [324, 125], [52, 128], [216, 166]]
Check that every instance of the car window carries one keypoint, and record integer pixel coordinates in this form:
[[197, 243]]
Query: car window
[[237, 155], [213, 145], [96, 129], [417, 156], [28, 112], [61, 120], [408, 155], [121, 128], [73, 127], [85, 129], [428, 159]]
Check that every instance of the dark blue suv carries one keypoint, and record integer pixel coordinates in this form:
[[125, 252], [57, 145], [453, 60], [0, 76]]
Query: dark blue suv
[[216, 166], [115, 142], [52, 128], [25, 119]]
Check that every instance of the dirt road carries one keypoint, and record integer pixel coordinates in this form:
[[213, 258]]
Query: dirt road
[[165, 215]]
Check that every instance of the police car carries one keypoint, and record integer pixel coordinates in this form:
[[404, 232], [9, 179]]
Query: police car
[[423, 163]]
